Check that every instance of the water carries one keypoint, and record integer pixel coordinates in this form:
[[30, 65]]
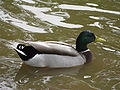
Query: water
[[60, 20]]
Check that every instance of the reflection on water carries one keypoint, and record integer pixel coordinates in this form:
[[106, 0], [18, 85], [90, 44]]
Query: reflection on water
[[53, 19], [92, 4], [28, 1], [60, 20], [98, 18], [97, 24], [85, 8], [49, 77], [19, 23]]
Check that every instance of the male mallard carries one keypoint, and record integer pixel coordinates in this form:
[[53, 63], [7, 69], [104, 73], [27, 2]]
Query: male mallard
[[55, 54]]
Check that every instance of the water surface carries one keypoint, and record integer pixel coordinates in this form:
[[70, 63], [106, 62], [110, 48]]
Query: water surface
[[60, 20]]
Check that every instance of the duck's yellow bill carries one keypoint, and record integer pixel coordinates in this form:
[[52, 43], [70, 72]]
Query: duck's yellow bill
[[98, 39]]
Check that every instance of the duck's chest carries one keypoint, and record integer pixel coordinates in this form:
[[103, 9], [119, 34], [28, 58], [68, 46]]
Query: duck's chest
[[55, 61]]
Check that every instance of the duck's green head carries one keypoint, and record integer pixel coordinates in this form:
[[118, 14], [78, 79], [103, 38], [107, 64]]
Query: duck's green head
[[84, 38]]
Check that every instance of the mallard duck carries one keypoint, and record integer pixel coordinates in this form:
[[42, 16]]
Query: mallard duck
[[56, 54]]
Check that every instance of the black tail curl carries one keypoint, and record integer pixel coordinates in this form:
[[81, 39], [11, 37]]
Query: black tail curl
[[29, 51]]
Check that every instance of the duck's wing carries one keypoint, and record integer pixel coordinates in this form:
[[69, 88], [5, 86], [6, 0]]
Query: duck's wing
[[52, 47]]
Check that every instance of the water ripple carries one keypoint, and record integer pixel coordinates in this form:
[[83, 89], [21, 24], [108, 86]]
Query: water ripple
[[92, 4], [28, 1], [97, 24], [53, 19], [86, 8], [20, 23]]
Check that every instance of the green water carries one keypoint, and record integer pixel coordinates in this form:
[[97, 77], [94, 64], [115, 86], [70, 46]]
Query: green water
[[60, 20]]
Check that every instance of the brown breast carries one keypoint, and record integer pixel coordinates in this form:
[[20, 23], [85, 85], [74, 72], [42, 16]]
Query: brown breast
[[88, 56]]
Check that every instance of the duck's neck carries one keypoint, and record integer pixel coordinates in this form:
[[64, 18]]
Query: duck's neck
[[80, 44], [82, 48]]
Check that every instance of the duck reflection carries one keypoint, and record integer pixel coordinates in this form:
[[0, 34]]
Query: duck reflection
[[27, 73]]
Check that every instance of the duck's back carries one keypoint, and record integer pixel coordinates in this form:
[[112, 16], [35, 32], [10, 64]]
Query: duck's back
[[54, 48]]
